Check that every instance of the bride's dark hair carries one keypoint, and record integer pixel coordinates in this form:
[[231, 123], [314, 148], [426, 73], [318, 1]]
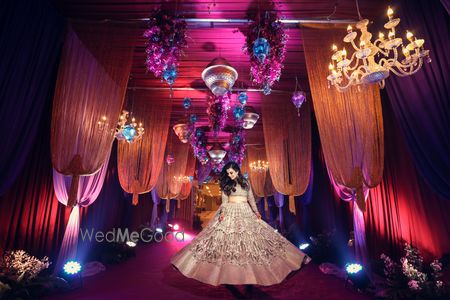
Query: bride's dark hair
[[226, 184]]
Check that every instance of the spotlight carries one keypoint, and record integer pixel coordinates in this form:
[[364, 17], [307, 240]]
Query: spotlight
[[353, 268], [357, 276], [72, 267], [303, 246], [131, 244], [170, 225], [176, 227], [159, 230]]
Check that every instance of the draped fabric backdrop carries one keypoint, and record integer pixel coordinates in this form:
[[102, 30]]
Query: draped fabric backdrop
[[350, 127], [140, 163], [190, 169], [88, 191], [166, 186], [288, 144], [29, 56], [403, 208], [90, 88], [257, 179], [421, 102]]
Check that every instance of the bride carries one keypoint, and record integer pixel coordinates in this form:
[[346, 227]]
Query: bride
[[237, 246]]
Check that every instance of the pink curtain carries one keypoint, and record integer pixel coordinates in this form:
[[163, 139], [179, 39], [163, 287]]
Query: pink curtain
[[88, 190], [89, 93]]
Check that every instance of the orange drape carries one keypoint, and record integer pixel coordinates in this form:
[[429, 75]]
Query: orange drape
[[140, 163], [350, 123], [288, 144], [190, 169], [261, 181], [92, 78], [167, 187]]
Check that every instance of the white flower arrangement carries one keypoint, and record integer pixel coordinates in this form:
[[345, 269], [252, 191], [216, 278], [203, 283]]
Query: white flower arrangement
[[23, 265]]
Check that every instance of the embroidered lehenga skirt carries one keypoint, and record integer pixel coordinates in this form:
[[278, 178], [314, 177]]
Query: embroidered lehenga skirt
[[240, 249]]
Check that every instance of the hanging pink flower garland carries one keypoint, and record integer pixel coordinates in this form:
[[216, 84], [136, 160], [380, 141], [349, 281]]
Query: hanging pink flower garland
[[268, 53], [217, 111], [166, 37]]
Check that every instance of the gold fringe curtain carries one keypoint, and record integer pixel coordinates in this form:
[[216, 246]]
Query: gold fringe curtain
[[350, 123], [288, 144], [166, 186], [259, 180], [190, 169], [140, 163], [92, 78]]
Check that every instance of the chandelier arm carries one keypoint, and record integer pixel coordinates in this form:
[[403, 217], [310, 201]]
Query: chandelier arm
[[345, 87], [356, 62], [402, 73], [354, 45], [379, 48]]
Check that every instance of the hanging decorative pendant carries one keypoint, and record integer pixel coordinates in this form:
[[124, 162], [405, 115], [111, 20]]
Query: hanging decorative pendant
[[261, 49]]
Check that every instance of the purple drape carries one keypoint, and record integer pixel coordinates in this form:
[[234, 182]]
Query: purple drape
[[359, 230], [421, 102], [30, 42], [156, 201], [88, 190]]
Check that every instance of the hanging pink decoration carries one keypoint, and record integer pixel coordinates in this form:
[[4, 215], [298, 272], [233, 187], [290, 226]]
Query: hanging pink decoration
[[298, 97], [166, 38], [170, 159], [266, 45], [217, 111]]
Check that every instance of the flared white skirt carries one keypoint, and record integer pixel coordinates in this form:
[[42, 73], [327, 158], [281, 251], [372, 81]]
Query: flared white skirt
[[240, 249]]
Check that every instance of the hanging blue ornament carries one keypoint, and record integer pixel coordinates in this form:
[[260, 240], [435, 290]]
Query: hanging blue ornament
[[198, 132], [170, 74], [261, 49], [187, 103], [193, 118], [245, 175], [236, 139], [238, 112], [266, 89], [243, 98], [128, 132]]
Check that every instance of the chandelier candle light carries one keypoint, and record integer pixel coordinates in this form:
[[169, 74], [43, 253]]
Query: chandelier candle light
[[129, 132], [362, 68], [259, 166]]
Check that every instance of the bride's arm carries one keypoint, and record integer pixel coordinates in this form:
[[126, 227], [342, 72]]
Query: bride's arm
[[251, 199], [224, 201]]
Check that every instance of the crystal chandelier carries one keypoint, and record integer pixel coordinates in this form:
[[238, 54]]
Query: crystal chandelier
[[373, 62], [219, 76], [259, 166], [129, 132], [182, 179]]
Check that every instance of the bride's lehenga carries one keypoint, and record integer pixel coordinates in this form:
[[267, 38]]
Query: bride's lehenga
[[240, 249]]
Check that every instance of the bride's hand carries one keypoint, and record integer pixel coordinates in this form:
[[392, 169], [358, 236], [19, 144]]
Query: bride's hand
[[221, 218], [258, 215]]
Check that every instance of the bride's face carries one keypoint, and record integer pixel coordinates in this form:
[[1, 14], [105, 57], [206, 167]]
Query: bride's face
[[232, 173]]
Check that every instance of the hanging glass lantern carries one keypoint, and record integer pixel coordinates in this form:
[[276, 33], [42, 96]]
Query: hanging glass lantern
[[238, 112], [219, 76], [250, 120], [217, 153], [243, 98], [298, 97], [187, 103], [261, 49], [170, 74]]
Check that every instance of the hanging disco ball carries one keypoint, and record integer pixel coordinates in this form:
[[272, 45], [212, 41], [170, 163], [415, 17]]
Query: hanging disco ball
[[170, 74], [243, 98], [261, 49]]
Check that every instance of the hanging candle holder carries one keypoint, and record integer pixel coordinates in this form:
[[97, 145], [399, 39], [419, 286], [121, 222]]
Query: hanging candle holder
[[298, 97]]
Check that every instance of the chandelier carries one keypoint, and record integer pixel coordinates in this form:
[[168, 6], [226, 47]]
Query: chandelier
[[219, 76], [182, 179], [182, 132], [128, 131], [259, 166], [250, 120], [217, 154], [373, 62]]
